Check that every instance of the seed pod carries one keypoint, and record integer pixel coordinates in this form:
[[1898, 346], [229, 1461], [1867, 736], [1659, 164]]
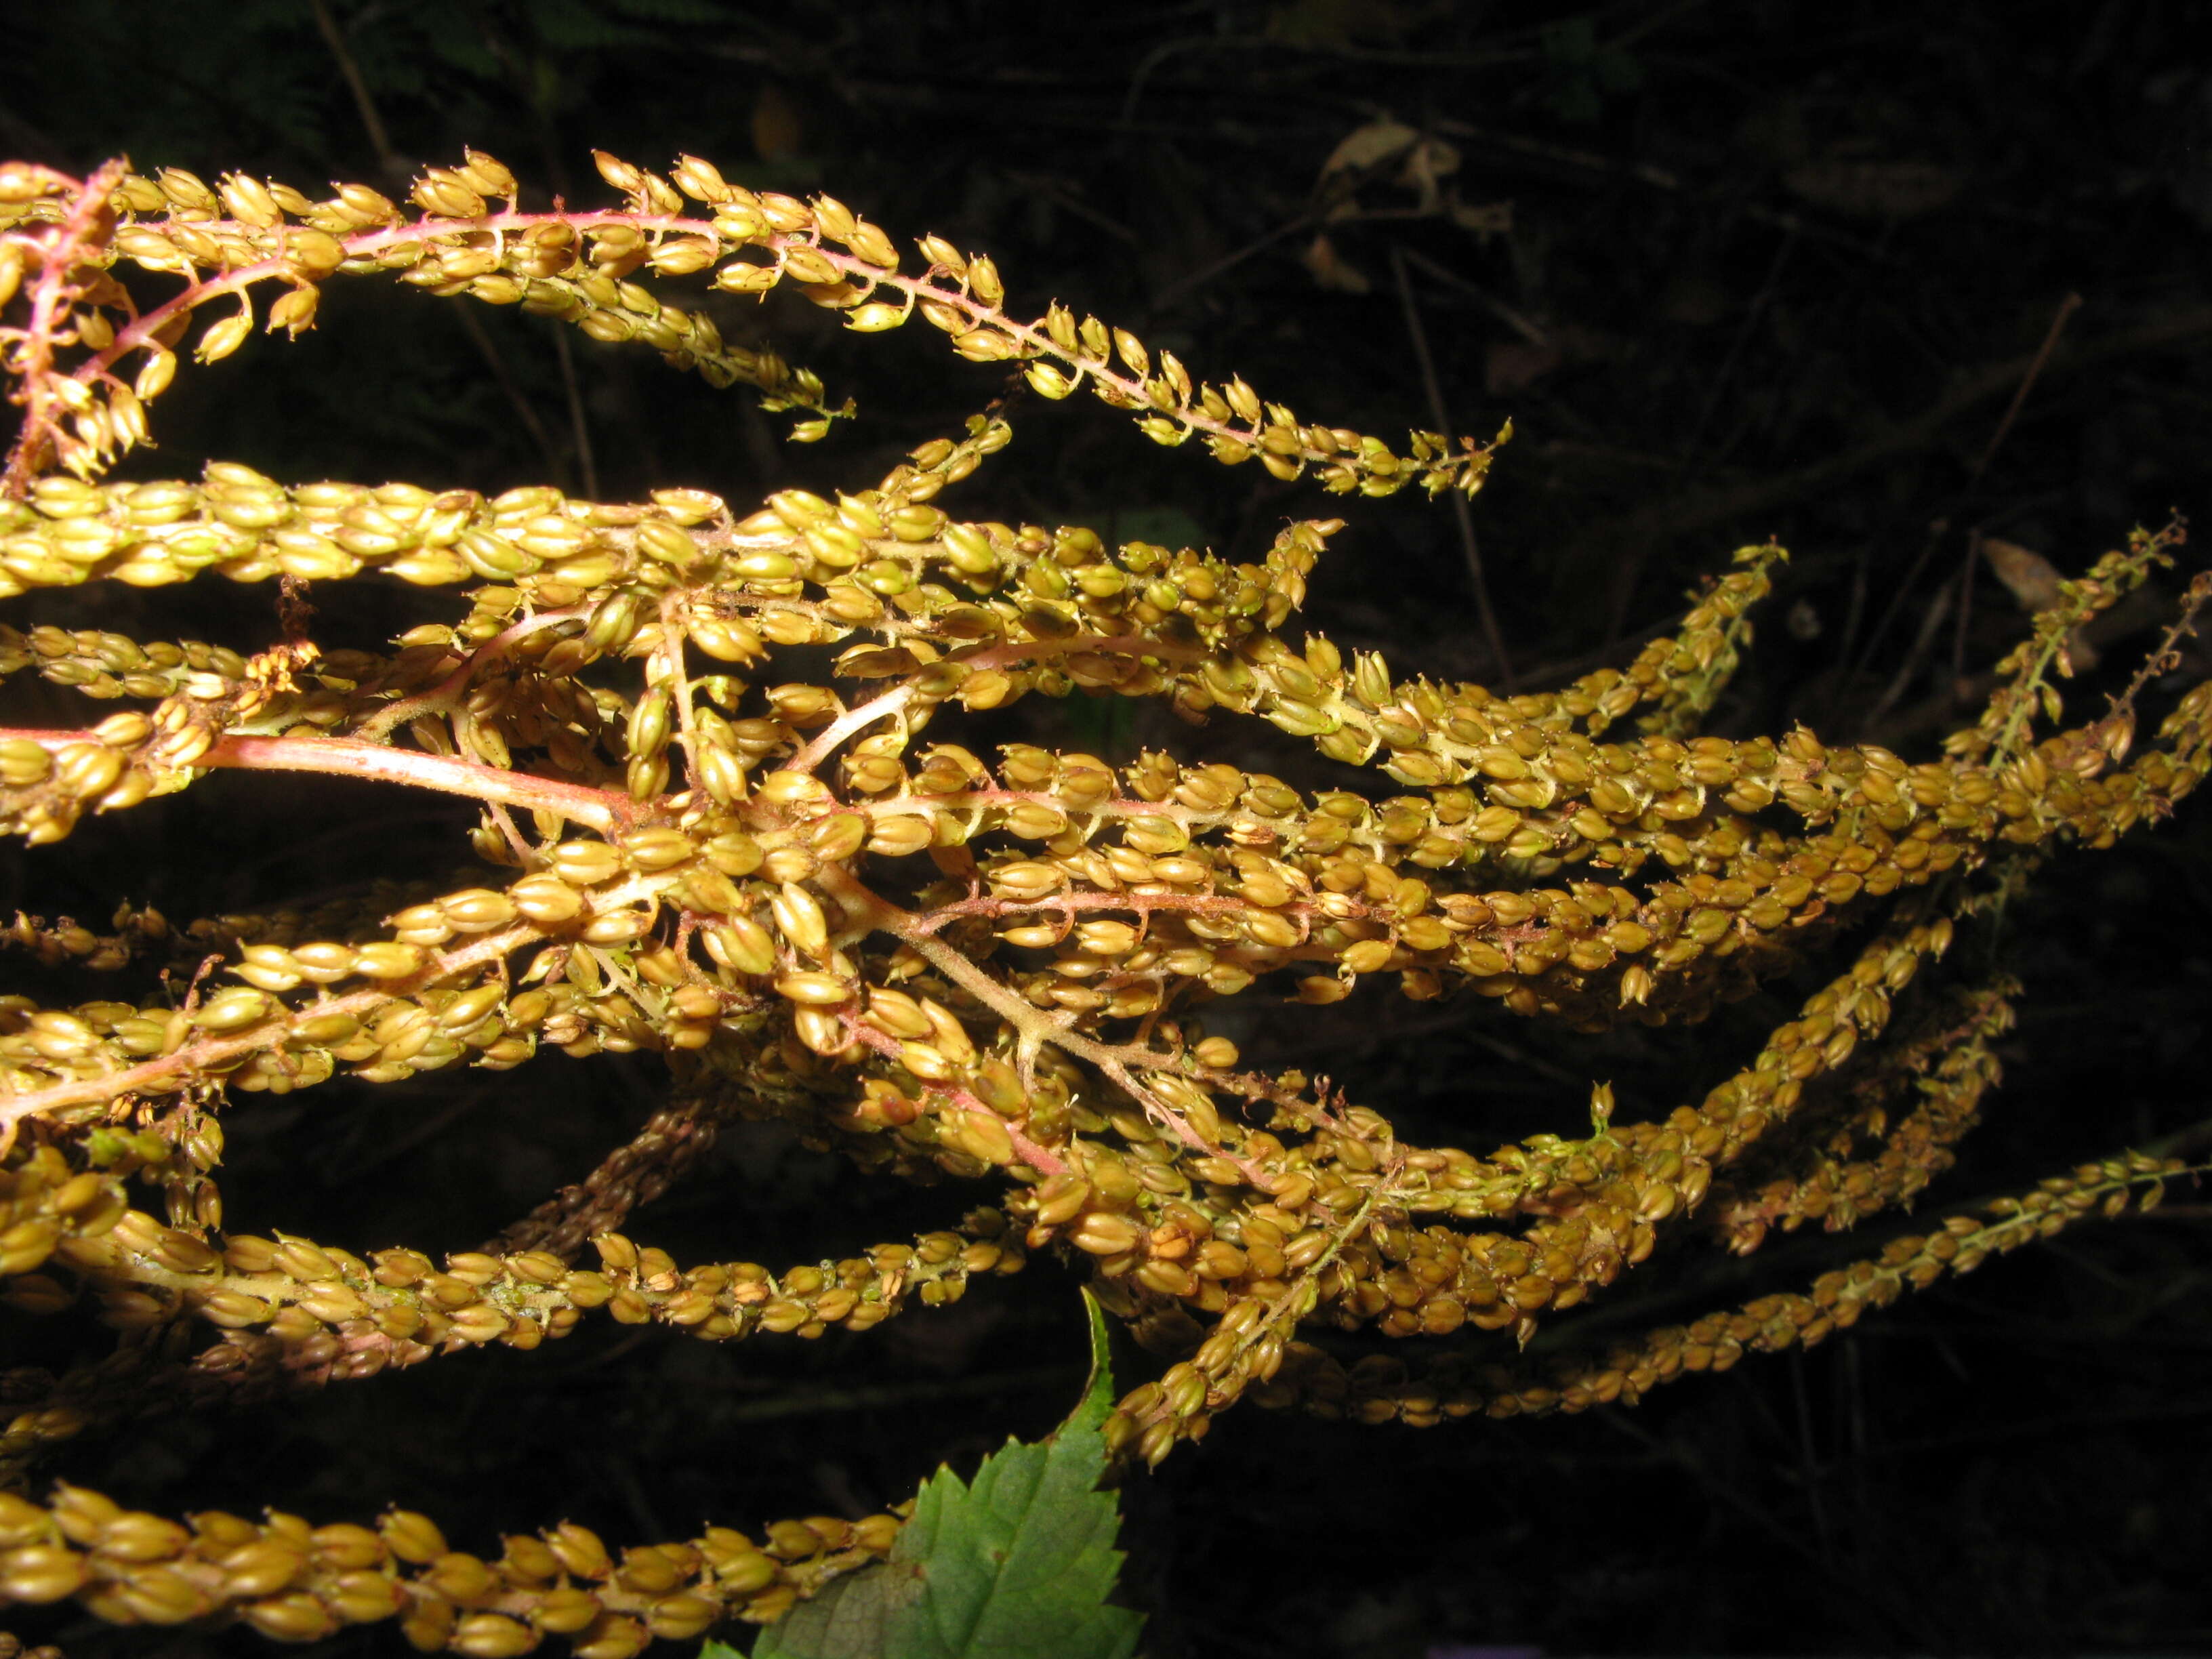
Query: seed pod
[[612, 1636], [658, 847], [741, 944], [225, 336], [1100, 1233], [235, 1010], [614, 621], [491, 1636], [565, 1610], [387, 960], [87, 770], [545, 898], [814, 990], [680, 1617], [23, 763], [478, 909], [296, 1617], [413, 1538], [900, 835], [263, 1567], [799, 916], [1060, 1198]]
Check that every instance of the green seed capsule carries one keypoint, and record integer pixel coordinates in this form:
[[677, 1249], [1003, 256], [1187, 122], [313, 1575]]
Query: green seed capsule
[[657, 538], [615, 621], [235, 1010], [649, 725], [969, 551]]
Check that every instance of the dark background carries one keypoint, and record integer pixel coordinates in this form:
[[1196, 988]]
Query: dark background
[[1733, 270]]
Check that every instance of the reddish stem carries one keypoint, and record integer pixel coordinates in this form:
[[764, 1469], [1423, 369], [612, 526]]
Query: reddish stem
[[210, 1052], [604, 810], [50, 291]]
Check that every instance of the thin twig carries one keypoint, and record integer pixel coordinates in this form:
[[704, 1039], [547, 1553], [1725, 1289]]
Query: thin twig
[[1966, 607], [2067, 307], [2028, 376], [1461, 515], [379, 139], [1929, 622], [587, 463], [1535, 333], [487, 349], [1752, 316], [1183, 284]]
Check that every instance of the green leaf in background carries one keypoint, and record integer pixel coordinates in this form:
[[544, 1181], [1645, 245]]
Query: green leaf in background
[[1016, 1564]]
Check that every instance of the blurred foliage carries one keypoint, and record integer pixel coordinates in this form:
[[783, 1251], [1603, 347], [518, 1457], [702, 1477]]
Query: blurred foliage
[[1734, 268]]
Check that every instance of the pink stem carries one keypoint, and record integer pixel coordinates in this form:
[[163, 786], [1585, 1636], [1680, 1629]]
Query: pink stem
[[603, 810], [214, 1050]]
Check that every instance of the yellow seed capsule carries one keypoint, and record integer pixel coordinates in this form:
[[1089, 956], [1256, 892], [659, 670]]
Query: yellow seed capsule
[[797, 914], [478, 909], [734, 854], [492, 1636], [720, 773], [387, 960], [586, 863], [413, 1538], [814, 990], [23, 763], [225, 337], [612, 1636], [658, 847], [1368, 956], [900, 836], [261, 1568], [565, 1611], [680, 1617], [332, 1304], [578, 1548], [141, 1538], [1103, 1234], [341, 1545], [741, 944], [86, 770], [297, 1617], [479, 1322], [428, 1621], [361, 1597], [983, 1136], [235, 1010], [545, 898], [306, 1262], [40, 1573]]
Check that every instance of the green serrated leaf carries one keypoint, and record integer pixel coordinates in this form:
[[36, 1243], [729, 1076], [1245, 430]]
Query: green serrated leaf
[[1017, 1565], [1097, 1404]]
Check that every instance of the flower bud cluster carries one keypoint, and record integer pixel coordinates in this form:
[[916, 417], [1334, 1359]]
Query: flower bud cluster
[[938, 961], [1382, 1388], [297, 1583]]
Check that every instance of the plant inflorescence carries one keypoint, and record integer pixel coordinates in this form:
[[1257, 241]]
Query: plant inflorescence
[[984, 970]]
